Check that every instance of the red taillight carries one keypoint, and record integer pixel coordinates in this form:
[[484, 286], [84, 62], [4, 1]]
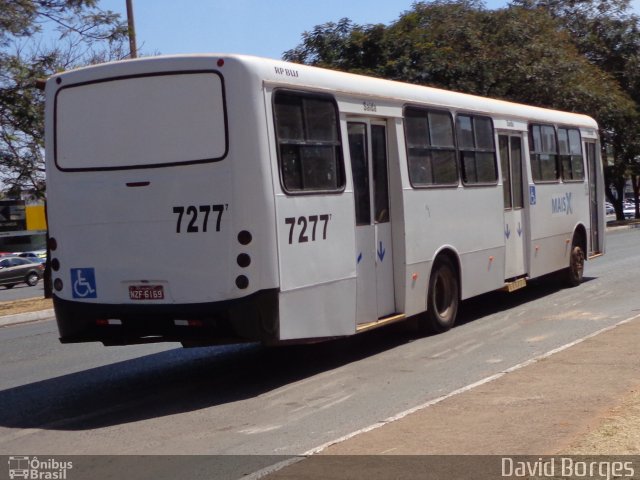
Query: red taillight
[[108, 321]]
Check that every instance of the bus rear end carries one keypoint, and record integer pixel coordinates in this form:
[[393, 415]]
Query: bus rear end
[[145, 240]]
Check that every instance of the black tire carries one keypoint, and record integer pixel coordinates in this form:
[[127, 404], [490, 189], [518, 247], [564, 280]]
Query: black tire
[[443, 298], [32, 279], [575, 272], [10, 286]]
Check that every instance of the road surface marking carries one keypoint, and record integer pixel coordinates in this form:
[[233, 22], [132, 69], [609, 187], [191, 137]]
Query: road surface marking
[[466, 388]]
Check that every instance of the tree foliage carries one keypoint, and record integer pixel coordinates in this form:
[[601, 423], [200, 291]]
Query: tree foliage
[[575, 55], [606, 34], [37, 39]]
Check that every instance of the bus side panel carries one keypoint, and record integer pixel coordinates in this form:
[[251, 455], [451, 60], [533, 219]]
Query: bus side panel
[[317, 265], [326, 310], [555, 209], [469, 220], [315, 236]]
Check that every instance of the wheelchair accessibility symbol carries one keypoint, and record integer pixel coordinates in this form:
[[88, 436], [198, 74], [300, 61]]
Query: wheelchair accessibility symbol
[[84, 282]]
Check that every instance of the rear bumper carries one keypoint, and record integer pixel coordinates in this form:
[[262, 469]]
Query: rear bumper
[[248, 319]]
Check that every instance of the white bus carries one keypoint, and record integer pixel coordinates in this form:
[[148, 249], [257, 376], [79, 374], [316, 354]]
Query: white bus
[[221, 198]]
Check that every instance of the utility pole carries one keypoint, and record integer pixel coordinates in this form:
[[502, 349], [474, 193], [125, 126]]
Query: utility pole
[[133, 50]]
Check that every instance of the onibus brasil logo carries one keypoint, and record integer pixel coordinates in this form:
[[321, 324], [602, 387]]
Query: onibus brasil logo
[[36, 469]]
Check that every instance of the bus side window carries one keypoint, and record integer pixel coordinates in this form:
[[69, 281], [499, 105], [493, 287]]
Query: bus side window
[[571, 160], [431, 151], [477, 149], [309, 146], [544, 153]]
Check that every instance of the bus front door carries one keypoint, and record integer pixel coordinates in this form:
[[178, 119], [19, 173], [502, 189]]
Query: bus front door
[[597, 223], [374, 256], [515, 221]]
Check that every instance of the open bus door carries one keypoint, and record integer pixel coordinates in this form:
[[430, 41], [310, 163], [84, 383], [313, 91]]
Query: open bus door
[[596, 244]]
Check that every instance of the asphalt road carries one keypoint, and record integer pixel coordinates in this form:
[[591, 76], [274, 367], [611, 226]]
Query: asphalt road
[[71, 399], [21, 291]]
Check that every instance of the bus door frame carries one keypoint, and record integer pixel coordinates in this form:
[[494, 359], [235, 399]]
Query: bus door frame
[[516, 216], [596, 191], [375, 297]]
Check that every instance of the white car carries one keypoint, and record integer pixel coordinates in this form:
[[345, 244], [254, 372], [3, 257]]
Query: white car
[[608, 208], [629, 210]]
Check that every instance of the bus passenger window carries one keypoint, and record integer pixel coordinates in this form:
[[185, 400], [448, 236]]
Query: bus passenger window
[[309, 147], [431, 153], [477, 149], [544, 153], [360, 170], [571, 160], [380, 173]]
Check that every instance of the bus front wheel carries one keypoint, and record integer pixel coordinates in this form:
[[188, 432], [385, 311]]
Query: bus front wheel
[[442, 298], [576, 266]]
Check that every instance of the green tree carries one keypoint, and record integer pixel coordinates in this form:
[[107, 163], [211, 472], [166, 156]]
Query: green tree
[[607, 34], [530, 52], [342, 46], [37, 39]]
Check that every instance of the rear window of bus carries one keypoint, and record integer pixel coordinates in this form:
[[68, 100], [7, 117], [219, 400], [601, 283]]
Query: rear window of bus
[[141, 122]]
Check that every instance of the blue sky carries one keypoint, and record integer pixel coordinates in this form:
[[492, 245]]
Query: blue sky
[[255, 27]]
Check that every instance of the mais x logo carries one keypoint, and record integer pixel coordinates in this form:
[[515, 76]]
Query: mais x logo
[[561, 205]]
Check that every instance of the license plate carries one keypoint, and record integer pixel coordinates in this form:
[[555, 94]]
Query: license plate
[[146, 292]]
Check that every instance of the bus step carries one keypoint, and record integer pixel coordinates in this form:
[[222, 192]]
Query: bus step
[[515, 285], [396, 317]]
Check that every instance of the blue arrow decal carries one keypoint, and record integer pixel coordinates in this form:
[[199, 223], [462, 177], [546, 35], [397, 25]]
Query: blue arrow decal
[[519, 230], [381, 252], [507, 231], [360, 257]]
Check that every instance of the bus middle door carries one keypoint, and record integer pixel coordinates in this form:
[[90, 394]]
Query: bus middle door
[[374, 256], [515, 220]]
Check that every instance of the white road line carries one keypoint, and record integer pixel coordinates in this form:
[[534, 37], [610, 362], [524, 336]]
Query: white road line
[[466, 388]]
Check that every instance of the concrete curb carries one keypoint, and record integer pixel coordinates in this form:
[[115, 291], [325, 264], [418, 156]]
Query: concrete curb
[[25, 317]]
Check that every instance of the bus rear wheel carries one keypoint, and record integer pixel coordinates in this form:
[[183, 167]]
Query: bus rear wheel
[[442, 298]]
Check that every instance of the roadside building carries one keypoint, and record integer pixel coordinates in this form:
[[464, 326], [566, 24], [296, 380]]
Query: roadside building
[[23, 226]]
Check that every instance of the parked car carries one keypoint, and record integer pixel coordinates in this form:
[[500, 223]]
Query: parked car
[[37, 255], [629, 211], [609, 210], [14, 270]]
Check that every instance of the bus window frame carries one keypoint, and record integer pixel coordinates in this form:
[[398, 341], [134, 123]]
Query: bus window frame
[[560, 155], [340, 171], [152, 165], [475, 150], [532, 152], [426, 109]]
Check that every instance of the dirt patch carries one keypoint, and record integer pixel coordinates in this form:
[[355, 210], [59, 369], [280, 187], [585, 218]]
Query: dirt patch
[[617, 432], [25, 306]]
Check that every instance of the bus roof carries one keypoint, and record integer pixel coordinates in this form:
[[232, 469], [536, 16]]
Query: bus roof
[[279, 72]]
